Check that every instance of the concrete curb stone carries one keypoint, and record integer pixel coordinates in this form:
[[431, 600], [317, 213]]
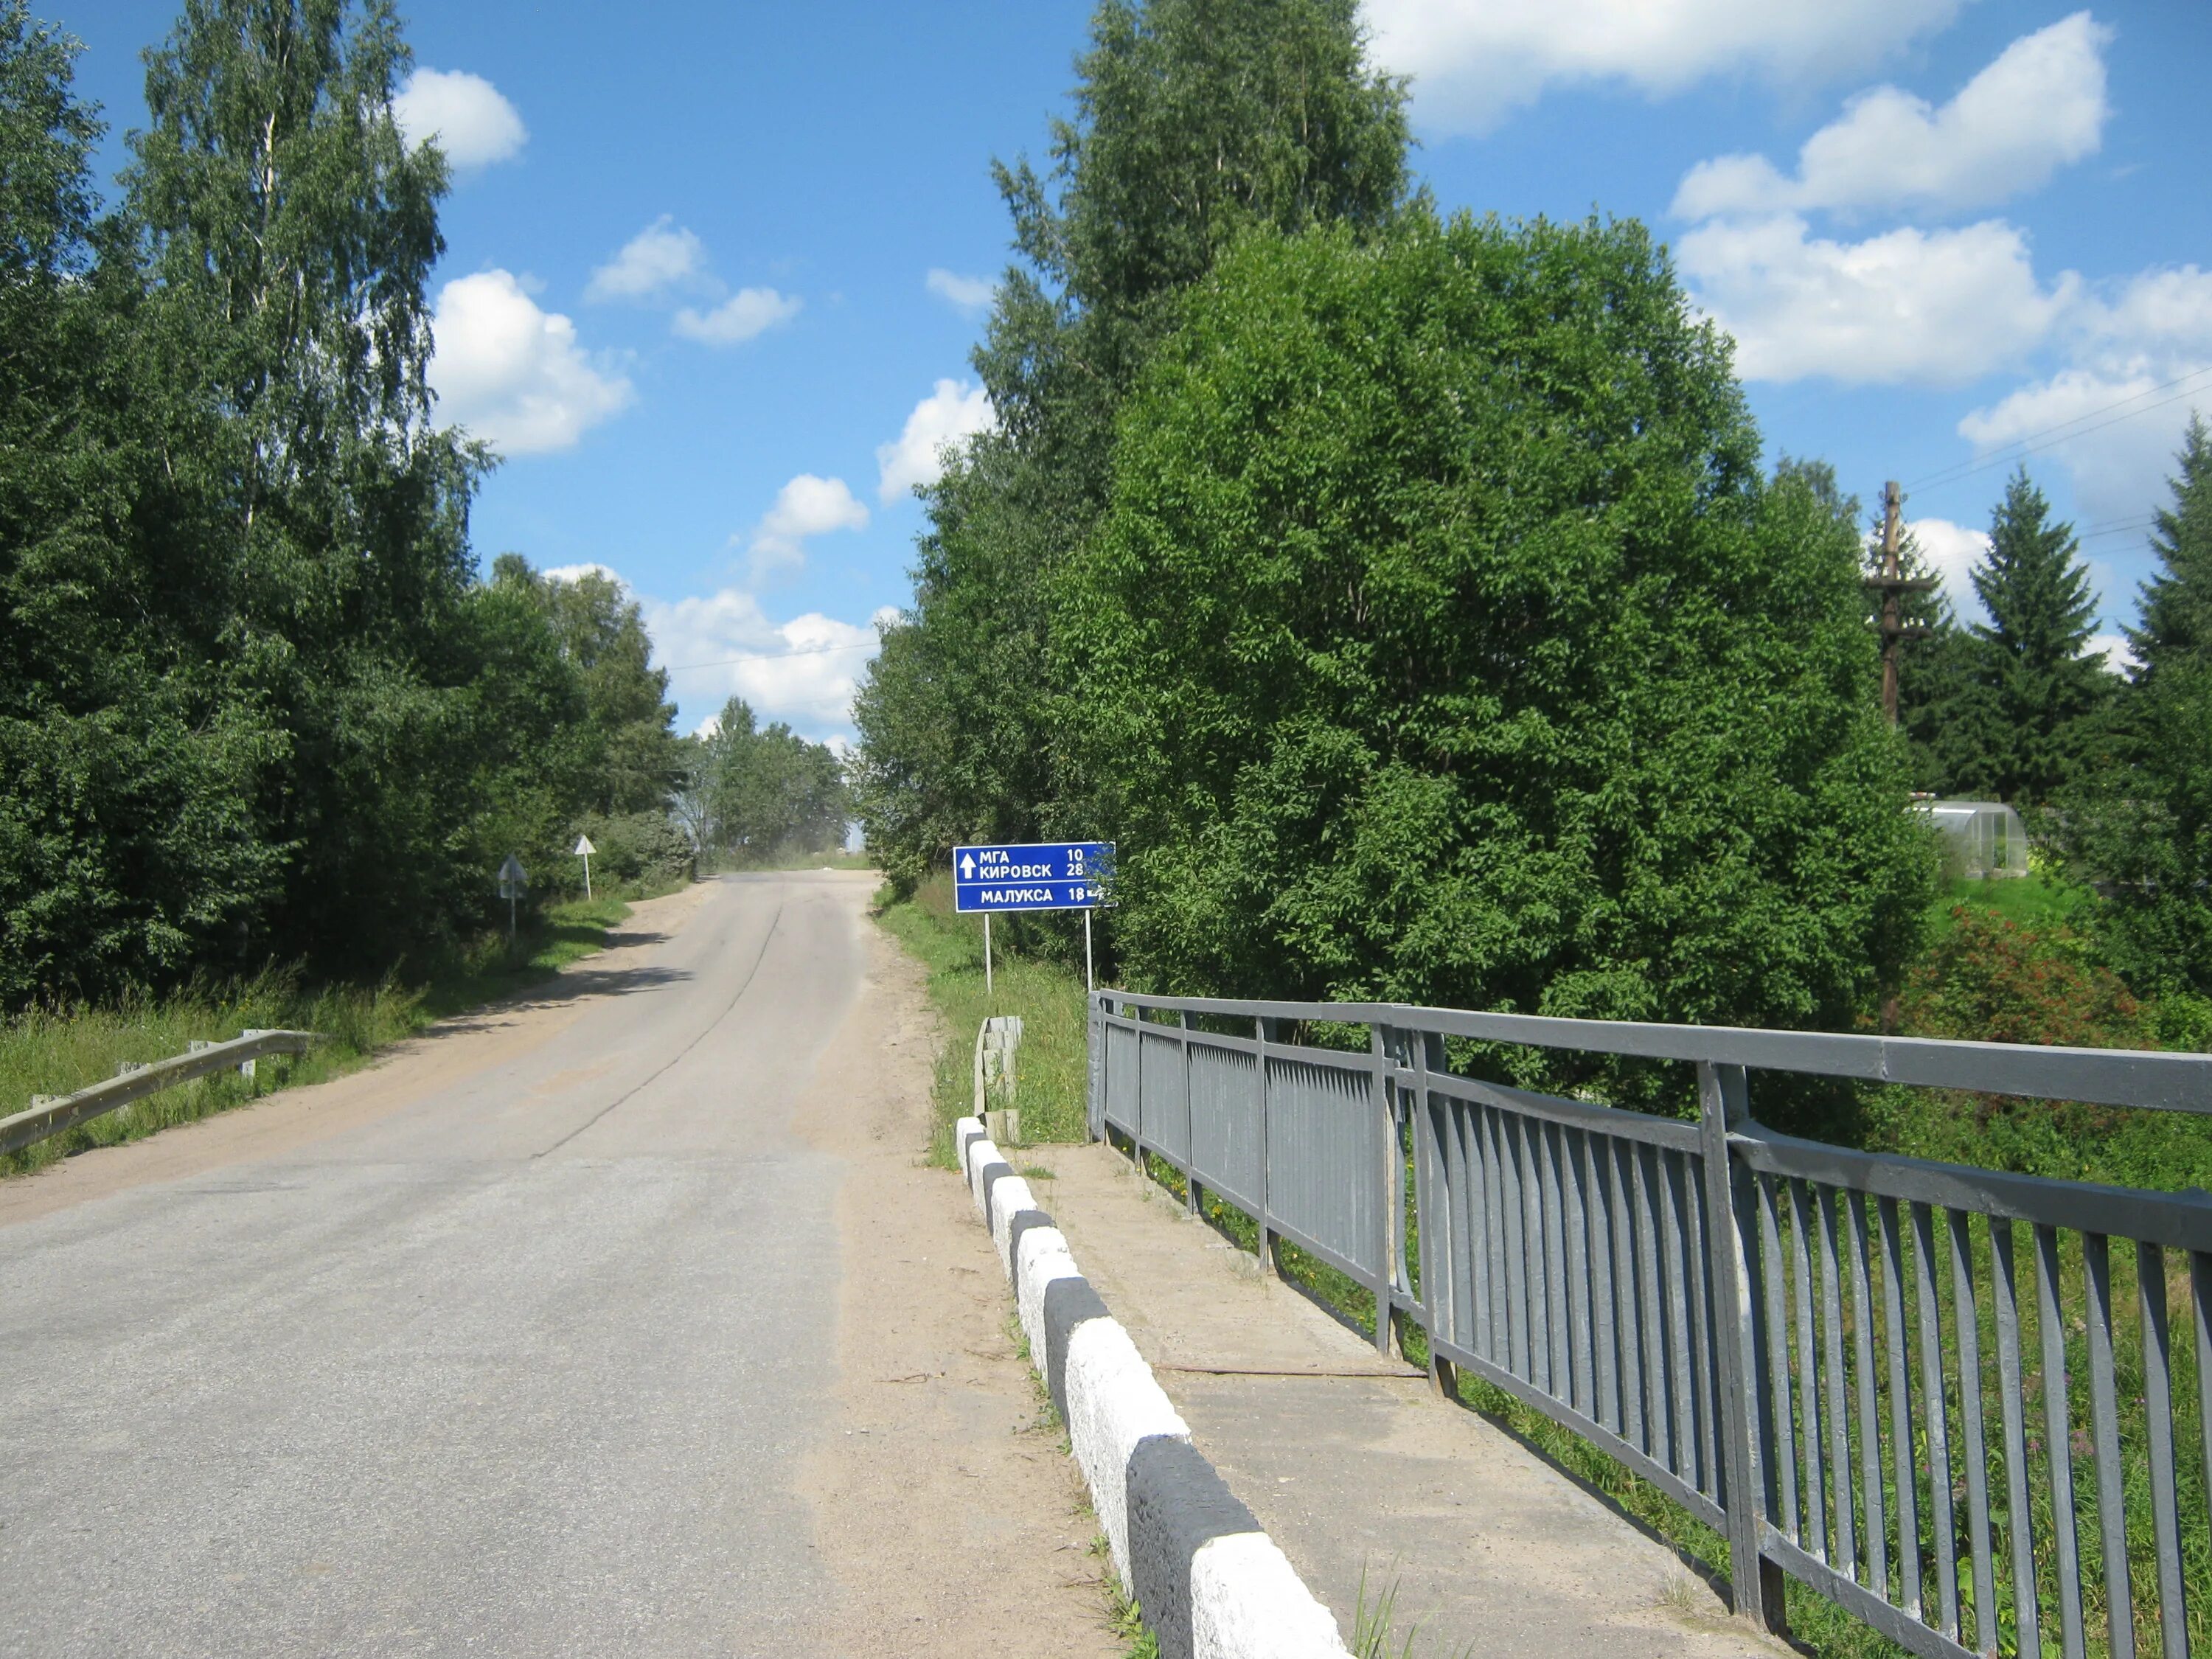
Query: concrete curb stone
[[1211, 1583]]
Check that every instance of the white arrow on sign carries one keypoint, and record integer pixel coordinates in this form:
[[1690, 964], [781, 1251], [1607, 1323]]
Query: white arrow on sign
[[967, 868], [584, 847]]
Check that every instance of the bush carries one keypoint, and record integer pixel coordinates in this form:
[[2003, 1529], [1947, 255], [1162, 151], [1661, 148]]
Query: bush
[[1443, 642], [1986, 979], [633, 849]]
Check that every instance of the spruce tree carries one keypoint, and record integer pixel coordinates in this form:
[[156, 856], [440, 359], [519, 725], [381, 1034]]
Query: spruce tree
[[2142, 828], [2043, 693], [2177, 601], [1942, 707]]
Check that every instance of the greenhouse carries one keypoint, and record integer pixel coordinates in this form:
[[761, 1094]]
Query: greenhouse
[[1981, 839]]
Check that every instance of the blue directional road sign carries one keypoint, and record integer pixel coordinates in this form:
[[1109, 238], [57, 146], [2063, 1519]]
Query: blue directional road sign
[[1051, 875]]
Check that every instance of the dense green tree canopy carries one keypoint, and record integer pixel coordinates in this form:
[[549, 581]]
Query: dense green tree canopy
[[253, 703], [1443, 642], [1195, 121], [128, 845], [762, 792], [2141, 823], [627, 756]]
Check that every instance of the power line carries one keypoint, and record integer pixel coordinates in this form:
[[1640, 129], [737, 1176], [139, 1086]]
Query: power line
[[2144, 528], [2126, 521], [773, 656], [2020, 448]]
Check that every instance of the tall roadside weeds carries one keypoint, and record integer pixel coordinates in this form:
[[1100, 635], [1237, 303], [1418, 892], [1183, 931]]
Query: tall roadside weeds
[[1053, 1063]]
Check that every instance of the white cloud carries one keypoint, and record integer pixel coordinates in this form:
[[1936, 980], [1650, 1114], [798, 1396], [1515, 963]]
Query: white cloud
[[804, 671], [1936, 307], [2157, 310], [2141, 362], [1952, 551], [748, 312], [658, 258], [2118, 457], [513, 374], [952, 414], [806, 507], [472, 123], [969, 293], [667, 256], [2039, 106], [2114, 649], [576, 572], [1474, 61]]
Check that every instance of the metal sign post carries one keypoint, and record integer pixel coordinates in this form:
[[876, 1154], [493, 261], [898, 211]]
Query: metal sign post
[[1048, 875], [584, 851], [512, 879]]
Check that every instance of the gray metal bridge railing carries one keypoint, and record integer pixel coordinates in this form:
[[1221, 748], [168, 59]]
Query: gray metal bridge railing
[[1920, 1388]]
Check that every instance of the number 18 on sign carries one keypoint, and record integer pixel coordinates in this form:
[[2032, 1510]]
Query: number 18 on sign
[[1047, 875]]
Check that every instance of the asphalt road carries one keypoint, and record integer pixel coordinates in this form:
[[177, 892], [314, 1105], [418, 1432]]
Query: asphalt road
[[520, 1367]]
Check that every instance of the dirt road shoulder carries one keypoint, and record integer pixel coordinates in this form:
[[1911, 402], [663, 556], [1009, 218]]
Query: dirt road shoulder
[[947, 1510]]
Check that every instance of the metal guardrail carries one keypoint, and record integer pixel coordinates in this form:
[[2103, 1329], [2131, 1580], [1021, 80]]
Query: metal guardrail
[[1800, 1344], [50, 1115]]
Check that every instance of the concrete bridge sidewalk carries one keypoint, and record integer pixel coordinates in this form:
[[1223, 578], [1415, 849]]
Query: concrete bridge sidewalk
[[1356, 1469]]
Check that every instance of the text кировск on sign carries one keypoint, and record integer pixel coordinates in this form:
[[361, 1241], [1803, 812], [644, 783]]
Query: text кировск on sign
[[1055, 875]]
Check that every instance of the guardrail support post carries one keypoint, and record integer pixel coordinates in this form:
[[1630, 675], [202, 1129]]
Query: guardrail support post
[[1386, 1120], [1438, 1294], [1190, 1188], [1260, 1082], [1137, 1092], [1723, 1096], [1094, 1104]]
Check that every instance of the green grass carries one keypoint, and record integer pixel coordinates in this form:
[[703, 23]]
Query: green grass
[[1124, 1618], [1375, 1629], [1819, 1625], [2034, 900], [56, 1051], [1052, 1065]]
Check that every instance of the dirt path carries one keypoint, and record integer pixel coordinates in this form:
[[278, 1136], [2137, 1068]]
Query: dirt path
[[935, 1413], [449, 1052]]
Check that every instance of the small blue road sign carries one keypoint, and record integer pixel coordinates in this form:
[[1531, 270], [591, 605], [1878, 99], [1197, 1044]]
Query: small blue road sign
[[1051, 875]]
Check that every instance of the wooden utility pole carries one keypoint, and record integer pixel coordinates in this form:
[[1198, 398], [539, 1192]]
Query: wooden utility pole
[[1893, 584]]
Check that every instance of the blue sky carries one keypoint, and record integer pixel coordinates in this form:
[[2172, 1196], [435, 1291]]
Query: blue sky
[[713, 270]]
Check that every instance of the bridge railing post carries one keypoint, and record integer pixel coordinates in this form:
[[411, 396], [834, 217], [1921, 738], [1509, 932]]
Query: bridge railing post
[[1733, 1268]]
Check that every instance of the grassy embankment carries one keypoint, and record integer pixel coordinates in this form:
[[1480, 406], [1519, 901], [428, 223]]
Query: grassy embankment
[[52, 1052], [1049, 998], [1052, 1062]]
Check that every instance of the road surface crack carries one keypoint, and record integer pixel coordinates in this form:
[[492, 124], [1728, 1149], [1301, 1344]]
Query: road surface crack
[[744, 985]]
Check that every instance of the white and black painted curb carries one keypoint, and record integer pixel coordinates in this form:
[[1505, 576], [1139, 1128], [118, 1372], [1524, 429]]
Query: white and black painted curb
[[1211, 1583]]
